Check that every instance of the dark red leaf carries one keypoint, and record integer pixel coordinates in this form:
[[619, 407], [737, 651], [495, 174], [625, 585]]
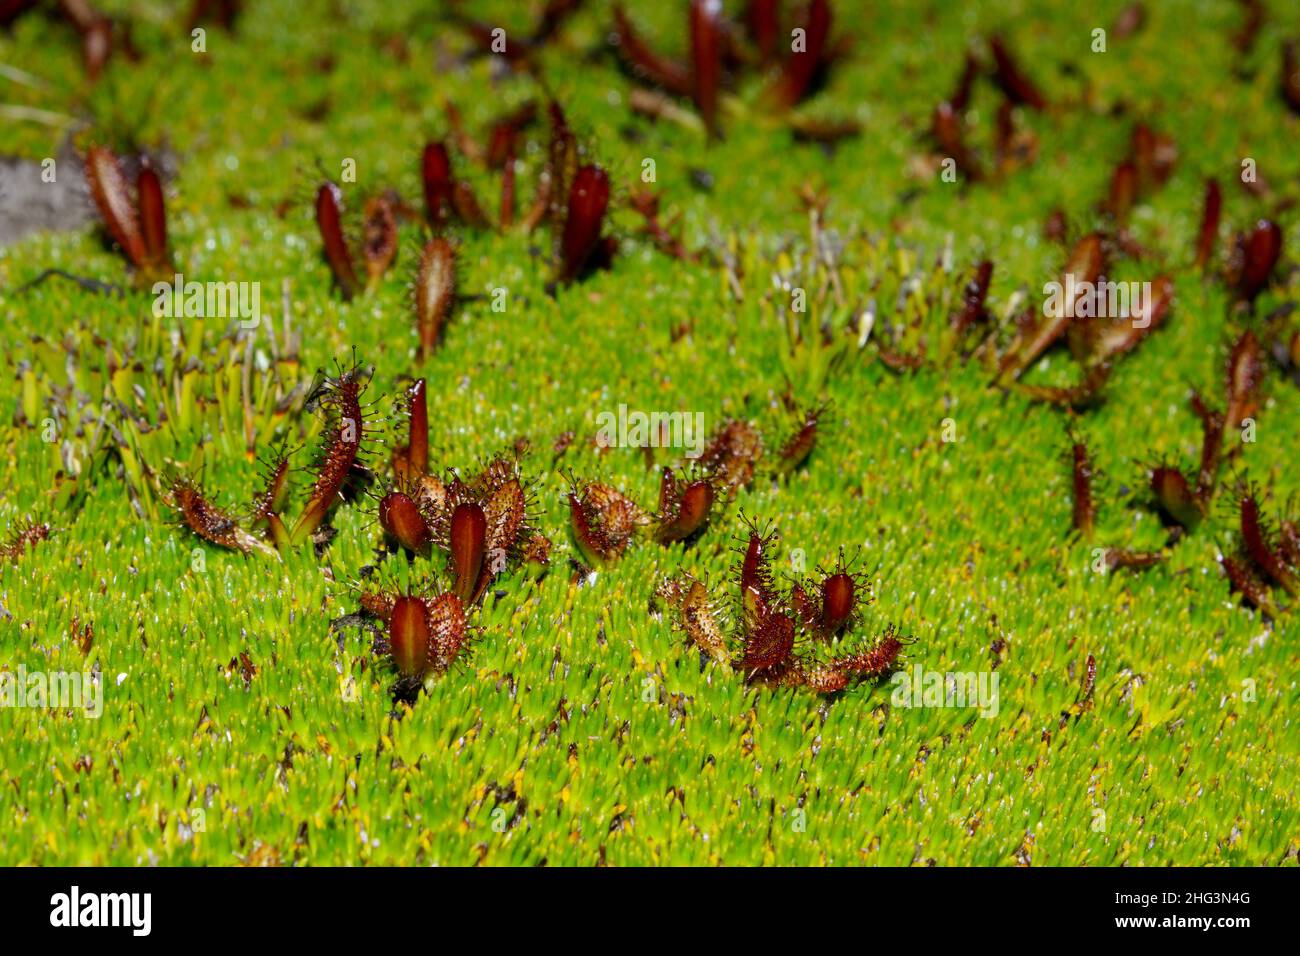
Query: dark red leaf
[[706, 60], [588, 200], [400, 519], [1012, 80], [329, 220], [108, 187], [435, 172], [1209, 231], [468, 547], [408, 636], [153, 218]]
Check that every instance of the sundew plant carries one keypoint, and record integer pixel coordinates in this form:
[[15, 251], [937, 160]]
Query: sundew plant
[[757, 432]]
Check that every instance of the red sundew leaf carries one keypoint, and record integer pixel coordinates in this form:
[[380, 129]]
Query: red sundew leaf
[[505, 134], [379, 246], [805, 609], [839, 598], [1211, 447], [1259, 547], [684, 511], [799, 446], [507, 213], [402, 521], [1081, 474], [108, 187], [434, 500], [960, 98], [756, 591], [668, 493], [1137, 560], [763, 21], [588, 200], [1290, 80], [732, 454], [1056, 228], [801, 65], [769, 642], [706, 60], [1085, 264], [339, 454], [1088, 683], [1247, 583], [947, 132], [468, 539], [973, 296], [1087, 392], [411, 461], [435, 174], [275, 492], [153, 218], [1209, 231], [1253, 259], [822, 679], [279, 532], [466, 205], [1012, 81], [1245, 373], [448, 631], [697, 617], [517, 49], [562, 164], [416, 451], [96, 46], [329, 220], [223, 12], [603, 522], [1004, 131], [408, 635], [638, 57], [755, 571], [1124, 334], [1129, 21], [586, 533], [811, 129], [435, 288], [208, 521], [1176, 497], [501, 144], [539, 209], [536, 555], [1123, 191], [464, 142], [378, 603], [1245, 38], [646, 203], [1153, 156], [495, 475], [874, 662], [505, 512]]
